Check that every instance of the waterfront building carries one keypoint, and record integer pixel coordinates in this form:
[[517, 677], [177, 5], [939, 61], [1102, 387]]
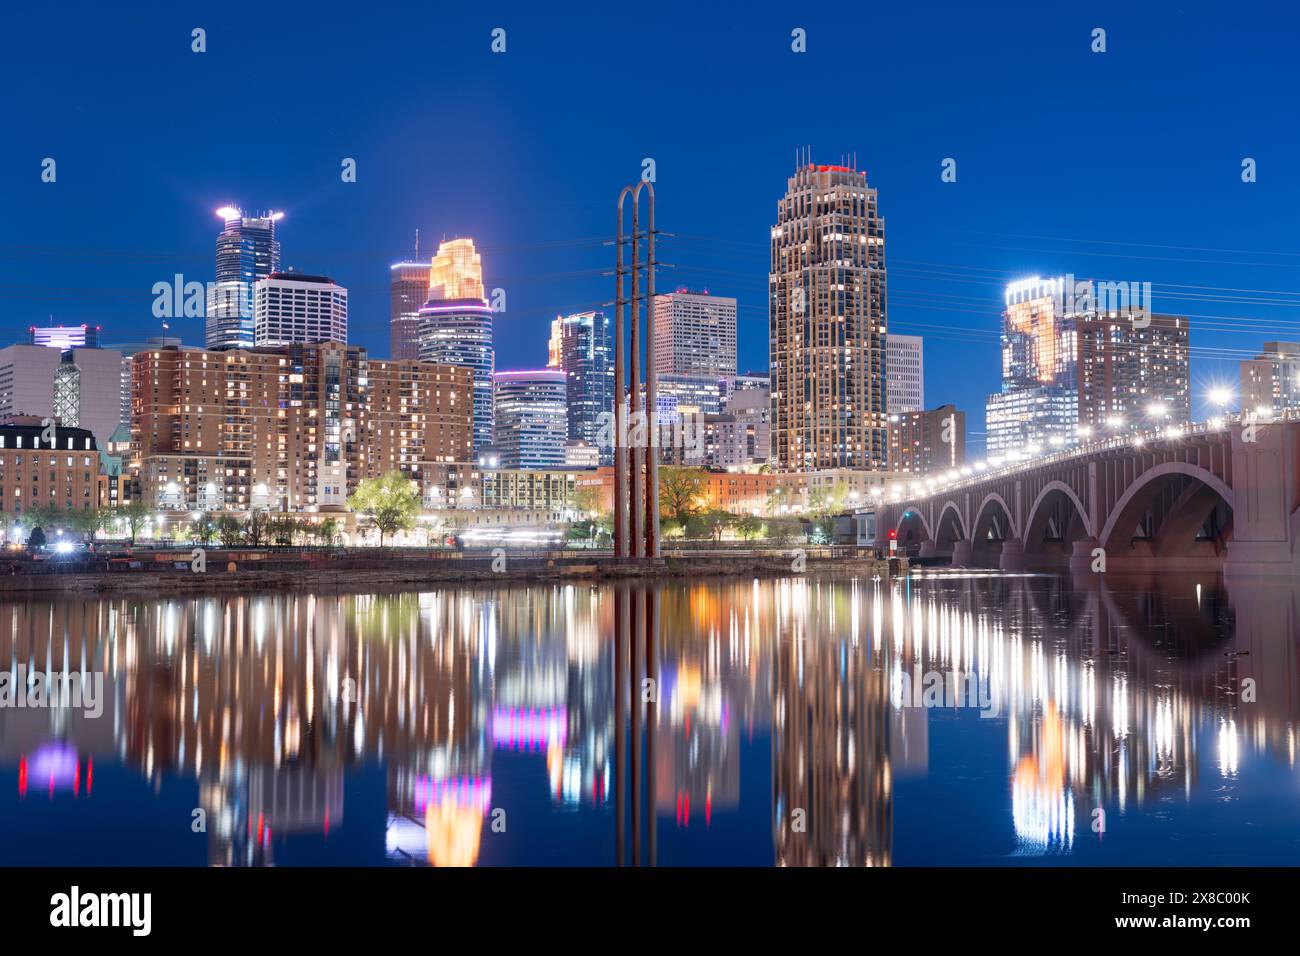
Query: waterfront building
[[1078, 360], [291, 307], [582, 347], [531, 418], [1270, 382], [695, 334], [247, 251], [827, 323], [904, 373], [36, 471], [921, 442], [293, 428]]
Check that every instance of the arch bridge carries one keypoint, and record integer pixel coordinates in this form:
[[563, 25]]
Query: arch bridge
[[1211, 498]]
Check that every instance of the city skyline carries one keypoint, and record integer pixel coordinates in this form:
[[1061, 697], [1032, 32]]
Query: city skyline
[[952, 245]]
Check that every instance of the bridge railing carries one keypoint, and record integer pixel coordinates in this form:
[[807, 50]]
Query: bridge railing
[[1084, 450]]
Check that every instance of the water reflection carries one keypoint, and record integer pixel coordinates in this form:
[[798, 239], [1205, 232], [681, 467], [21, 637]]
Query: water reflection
[[796, 722]]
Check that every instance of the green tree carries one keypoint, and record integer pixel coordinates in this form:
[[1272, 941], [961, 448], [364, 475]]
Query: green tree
[[91, 522], [135, 513], [327, 531], [281, 530], [204, 529], [255, 528], [748, 527], [230, 530], [681, 492], [390, 503]]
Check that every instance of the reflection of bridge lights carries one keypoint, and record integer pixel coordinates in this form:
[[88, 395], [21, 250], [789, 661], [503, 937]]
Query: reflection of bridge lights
[[1163, 730], [1229, 748]]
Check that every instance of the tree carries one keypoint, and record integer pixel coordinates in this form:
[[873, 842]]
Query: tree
[[390, 503], [748, 527], [255, 528], [823, 503], [204, 529], [36, 540], [90, 522], [327, 531], [681, 491], [282, 529], [229, 530], [588, 501], [135, 513]]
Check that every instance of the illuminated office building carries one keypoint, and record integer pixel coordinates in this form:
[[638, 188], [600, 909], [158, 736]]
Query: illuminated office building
[[581, 346], [247, 251]]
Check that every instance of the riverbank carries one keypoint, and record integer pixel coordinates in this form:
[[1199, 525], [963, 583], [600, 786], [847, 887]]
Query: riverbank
[[404, 575]]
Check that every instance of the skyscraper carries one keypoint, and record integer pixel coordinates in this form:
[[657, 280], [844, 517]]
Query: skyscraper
[[826, 317], [456, 326], [409, 289], [904, 373], [531, 421], [247, 251], [581, 346], [292, 307], [695, 333], [1079, 359]]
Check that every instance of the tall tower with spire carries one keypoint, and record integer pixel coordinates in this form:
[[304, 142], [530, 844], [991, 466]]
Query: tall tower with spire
[[409, 288]]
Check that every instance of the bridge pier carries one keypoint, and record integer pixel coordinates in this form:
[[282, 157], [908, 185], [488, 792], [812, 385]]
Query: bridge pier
[[928, 550], [961, 554], [1081, 557], [1013, 556]]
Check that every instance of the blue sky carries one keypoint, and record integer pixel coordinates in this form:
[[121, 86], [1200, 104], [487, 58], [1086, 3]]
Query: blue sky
[[1123, 165]]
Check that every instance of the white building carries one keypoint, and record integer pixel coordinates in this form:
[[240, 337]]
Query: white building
[[695, 334], [290, 307], [904, 373], [81, 387]]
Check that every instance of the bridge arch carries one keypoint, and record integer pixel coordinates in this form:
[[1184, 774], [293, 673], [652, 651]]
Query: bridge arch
[[1057, 512], [913, 528], [994, 514], [949, 527], [1186, 496]]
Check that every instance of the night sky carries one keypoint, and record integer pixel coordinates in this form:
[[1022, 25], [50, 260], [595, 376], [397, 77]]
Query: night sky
[[1120, 165]]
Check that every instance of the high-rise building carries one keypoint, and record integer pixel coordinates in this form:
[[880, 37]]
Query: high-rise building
[[1076, 363], [291, 307], [1270, 382], [904, 373], [80, 388], [288, 429], [582, 347], [409, 289], [247, 251], [695, 333], [532, 425], [127, 351], [827, 323], [923, 441], [456, 326], [63, 337]]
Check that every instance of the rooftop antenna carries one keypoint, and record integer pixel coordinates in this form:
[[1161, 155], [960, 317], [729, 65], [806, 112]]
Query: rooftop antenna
[[417, 245]]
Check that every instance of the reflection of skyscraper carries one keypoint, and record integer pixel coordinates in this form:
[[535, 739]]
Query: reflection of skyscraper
[[581, 346], [831, 760], [826, 301], [456, 326], [247, 251]]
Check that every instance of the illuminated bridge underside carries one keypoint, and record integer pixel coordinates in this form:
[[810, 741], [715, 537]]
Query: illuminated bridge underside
[[1202, 501]]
